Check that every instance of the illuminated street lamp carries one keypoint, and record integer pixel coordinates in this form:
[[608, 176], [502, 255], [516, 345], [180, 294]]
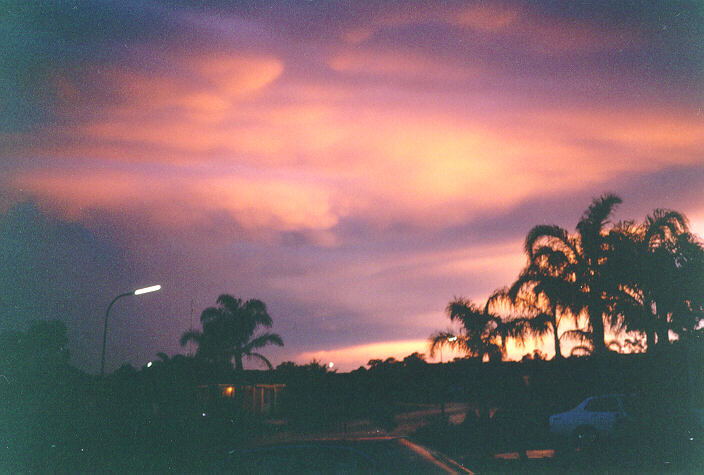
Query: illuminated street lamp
[[145, 290], [450, 339]]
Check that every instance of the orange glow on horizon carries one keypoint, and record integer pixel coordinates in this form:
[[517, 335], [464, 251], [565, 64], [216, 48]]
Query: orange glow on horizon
[[350, 358]]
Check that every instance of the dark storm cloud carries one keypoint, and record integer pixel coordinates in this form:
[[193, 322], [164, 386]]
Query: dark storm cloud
[[53, 269], [42, 38]]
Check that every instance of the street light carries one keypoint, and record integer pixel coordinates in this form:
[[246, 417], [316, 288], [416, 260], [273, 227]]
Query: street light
[[450, 339], [145, 290]]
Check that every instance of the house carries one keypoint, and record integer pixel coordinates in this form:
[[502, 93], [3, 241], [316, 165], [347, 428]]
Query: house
[[256, 398]]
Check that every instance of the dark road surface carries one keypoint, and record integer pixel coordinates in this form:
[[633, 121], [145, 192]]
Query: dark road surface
[[372, 455]]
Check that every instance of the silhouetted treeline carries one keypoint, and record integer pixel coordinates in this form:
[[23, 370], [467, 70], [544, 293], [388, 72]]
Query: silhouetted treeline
[[170, 415], [642, 281], [534, 388]]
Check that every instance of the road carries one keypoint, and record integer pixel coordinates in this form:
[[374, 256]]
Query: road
[[359, 455]]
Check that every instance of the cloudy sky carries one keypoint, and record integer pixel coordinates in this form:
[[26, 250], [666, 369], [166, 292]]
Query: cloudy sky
[[355, 165]]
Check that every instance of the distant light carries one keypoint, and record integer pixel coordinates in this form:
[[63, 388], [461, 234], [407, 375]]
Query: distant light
[[452, 338], [204, 414], [229, 390], [149, 365], [146, 290], [331, 364]]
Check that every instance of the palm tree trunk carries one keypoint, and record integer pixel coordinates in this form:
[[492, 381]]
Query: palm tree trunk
[[662, 331], [558, 351], [555, 335], [238, 363], [596, 322], [240, 387], [650, 339]]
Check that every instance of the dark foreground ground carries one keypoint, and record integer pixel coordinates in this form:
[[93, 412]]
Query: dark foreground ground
[[665, 452], [57, 419], [437, 444], [364, 455]]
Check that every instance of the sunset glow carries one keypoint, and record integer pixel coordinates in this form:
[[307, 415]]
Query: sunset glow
[[355, 170]]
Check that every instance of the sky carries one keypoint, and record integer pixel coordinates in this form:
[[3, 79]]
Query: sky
[[355, 165]]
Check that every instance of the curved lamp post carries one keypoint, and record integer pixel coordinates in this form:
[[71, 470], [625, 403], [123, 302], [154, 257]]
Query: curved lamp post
[[145, 290]]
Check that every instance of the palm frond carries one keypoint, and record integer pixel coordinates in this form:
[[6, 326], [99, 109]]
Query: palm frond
[[664, 223], [440, 339], [525, 279], [580, 350], [614, 345], [517, 329], [498, 298], [551, 233], [261, 358], [540, 325], [264, 340], [596, 216], [191, 335], [256, 310], [210, 314], [228, 301], [554, 258], [581, 336]]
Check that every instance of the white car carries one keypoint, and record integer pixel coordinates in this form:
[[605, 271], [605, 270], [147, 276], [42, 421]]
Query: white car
[[594, 418]]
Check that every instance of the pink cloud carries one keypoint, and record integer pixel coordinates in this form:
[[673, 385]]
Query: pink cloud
[[402, 65], [325, 149], [392, 163], [487, 17], [259, 206]]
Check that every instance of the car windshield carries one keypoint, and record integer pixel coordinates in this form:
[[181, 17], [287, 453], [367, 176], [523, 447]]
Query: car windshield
[[603, 404]]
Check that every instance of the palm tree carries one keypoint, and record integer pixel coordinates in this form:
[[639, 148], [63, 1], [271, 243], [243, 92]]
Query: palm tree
[[543, 295], [660, 268], [535, 296], [576, 262], [228, 332], [483, 334]]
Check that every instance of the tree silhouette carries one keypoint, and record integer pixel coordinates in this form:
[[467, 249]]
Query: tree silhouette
[[228, 332], [414, 361], [482, 333], [577, 263], [538, 311], [39, 350], [543, 295], [660, 268]]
